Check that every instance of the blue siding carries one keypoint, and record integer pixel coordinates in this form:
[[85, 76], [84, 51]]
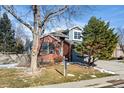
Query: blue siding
[[76, 57]]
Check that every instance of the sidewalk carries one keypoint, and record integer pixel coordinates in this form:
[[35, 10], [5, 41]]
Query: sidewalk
[[99, 82]]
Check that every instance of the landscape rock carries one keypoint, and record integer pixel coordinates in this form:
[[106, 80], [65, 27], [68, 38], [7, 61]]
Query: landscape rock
[[71, 75]]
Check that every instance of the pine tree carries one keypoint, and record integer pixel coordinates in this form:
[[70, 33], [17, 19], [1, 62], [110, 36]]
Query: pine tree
[[7, 41], [98, 41]]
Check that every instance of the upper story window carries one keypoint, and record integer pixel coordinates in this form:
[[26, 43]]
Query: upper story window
[[77, 35]]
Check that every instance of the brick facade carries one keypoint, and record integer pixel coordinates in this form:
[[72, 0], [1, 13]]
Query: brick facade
[[51, 54]]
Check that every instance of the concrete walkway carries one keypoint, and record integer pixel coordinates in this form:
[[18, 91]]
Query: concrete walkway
[[100, 82], [113, 66]]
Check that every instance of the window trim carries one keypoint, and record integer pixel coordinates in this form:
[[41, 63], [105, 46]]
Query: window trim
[[77, 35]]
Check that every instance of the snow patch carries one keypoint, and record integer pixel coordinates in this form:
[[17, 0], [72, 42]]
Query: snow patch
[[8, 65], [103, 70]]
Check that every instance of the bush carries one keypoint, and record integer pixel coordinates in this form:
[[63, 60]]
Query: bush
[[58, 59]]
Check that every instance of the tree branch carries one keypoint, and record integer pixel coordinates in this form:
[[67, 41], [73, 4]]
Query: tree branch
[[52, 14], [8, 9]]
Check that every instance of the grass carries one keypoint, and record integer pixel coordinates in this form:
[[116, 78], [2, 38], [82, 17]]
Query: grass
[[122, 61], [17, 78]]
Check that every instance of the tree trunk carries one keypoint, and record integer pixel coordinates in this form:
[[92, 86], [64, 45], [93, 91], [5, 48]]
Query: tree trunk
[[38, 29], [36, 11], [89, 60], [34, 54], [92, 62]]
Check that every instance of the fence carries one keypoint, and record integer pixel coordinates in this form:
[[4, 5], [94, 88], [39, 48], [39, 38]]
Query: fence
[[12, 57]]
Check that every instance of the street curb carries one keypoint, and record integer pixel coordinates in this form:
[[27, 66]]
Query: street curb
[[101, 85]]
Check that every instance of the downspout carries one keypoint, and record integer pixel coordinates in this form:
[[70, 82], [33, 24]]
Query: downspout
[[70, 53]]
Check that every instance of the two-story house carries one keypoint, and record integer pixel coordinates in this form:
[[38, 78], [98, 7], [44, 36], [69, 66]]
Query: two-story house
[[58, 44], [75, 34]]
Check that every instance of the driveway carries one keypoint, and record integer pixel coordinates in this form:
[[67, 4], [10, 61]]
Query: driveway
[[114, 66]]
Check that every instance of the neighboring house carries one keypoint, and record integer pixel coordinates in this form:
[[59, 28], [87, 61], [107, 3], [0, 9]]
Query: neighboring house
[[57, 44], [118, 53]]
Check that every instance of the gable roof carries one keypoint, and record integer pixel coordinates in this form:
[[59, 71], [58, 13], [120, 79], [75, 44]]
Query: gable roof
[[50, 36], [59, 34], [77, 27]]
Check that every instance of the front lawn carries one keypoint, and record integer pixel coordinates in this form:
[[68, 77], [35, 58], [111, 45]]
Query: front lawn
[[48, 75], [121, 61]]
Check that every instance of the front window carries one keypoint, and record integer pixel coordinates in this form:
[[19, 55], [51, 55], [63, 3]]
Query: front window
[[47, 48], [51, 48], [77, 35], [44, 48]]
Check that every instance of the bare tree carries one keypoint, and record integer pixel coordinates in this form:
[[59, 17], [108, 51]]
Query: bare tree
[[22, 33], [38, 28], [121, 38], [42, 17]]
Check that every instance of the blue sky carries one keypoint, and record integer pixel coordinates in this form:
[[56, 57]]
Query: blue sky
[[113, 14]]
